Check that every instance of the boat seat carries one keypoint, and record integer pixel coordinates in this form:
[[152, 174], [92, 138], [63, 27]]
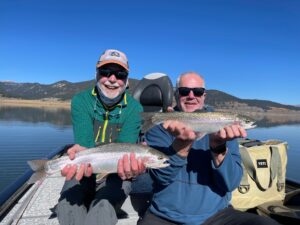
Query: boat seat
[[154, 92], [285, 212]]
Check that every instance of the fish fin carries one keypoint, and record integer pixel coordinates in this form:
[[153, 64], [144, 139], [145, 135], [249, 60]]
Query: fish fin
[[200, 135], [100, 177], [36, 176], [146, 121], [37, 165]]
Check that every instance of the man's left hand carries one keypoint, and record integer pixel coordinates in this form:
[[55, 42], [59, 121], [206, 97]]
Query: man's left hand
[[226, 134], [129, 167]]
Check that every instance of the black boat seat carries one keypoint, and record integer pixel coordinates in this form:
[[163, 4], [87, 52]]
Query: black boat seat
[[285, 212], [154, 92]]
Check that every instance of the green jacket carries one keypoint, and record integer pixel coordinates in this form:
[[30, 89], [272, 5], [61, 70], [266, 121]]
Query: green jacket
[[93, 124]]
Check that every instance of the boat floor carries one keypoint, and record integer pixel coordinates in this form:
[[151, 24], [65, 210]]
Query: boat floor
[[37, 205]]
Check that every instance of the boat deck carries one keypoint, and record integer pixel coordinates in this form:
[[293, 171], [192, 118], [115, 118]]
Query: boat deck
[[37, 205]]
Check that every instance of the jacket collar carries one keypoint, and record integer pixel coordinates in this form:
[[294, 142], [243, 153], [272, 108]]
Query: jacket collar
[[121, 104]]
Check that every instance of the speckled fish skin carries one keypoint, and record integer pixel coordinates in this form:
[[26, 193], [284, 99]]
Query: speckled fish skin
[[104, 158], [205, 122]]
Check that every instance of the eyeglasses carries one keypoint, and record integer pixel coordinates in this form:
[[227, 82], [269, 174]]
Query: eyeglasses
[[121, 75], [185, 91]]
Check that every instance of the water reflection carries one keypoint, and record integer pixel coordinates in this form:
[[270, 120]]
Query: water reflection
[[55, 116], [62, 116], [30, 133], [277, 120], [265, 119]]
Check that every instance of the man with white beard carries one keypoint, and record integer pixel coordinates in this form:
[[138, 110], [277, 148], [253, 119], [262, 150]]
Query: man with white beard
[[102, 114]]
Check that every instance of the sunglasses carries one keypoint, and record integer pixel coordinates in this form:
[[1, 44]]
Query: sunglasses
[[185, 91], [120, 75]]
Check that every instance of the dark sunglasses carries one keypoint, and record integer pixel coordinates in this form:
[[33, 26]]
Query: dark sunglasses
[[121, 75], [185, 91]]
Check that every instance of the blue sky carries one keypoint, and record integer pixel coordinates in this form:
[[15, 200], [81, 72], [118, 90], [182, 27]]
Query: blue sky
[[247, 48]]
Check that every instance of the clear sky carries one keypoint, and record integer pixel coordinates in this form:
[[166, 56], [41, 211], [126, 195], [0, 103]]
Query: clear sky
[[247, 48]]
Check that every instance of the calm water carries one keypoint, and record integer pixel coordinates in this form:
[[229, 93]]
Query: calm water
[[29, 133]]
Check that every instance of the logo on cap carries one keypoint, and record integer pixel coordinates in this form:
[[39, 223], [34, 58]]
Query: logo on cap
[[115, 54]]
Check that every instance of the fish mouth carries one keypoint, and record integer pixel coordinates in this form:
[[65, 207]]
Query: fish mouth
[[251, 125], [157, 164]]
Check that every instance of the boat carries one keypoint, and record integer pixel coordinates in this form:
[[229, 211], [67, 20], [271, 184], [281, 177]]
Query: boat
[[35, 203], [23, 203]]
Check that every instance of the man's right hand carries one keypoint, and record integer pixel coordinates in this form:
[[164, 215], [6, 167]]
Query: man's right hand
[[184, 136], [70, 171], [129, 167]]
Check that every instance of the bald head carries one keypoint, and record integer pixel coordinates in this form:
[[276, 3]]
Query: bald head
[[194, 77], [190, 101]]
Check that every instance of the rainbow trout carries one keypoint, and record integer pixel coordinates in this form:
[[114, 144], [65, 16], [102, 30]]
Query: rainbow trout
[[103, 159], [200, 122]]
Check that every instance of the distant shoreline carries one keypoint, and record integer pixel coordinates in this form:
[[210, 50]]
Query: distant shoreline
[[56, 103], [44, 103]]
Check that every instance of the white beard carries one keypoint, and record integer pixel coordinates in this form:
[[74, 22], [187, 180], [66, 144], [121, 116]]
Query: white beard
[[112, 93]]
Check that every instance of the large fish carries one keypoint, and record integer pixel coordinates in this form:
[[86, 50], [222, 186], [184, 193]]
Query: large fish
[[103, 159], [201, 122]]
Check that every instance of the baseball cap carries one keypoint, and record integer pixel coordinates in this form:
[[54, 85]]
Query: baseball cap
[[113, 56]]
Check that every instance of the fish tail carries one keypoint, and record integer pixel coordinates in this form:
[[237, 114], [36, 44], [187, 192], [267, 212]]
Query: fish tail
[[38, 166], [147, 121]]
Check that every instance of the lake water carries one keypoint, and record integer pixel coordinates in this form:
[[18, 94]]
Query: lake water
[[31, 133]]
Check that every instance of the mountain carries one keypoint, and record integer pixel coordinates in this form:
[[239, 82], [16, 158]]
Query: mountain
[[61, 90], [64, 90], [223, 100]]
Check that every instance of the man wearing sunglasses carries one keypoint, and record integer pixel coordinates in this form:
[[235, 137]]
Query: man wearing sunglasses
[[196, 187], [102, 114]]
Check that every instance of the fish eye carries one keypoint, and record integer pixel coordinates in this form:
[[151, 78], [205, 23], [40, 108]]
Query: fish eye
[[160, 157]]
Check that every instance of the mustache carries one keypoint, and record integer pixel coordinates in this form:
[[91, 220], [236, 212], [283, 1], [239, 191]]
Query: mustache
[[190, 99]]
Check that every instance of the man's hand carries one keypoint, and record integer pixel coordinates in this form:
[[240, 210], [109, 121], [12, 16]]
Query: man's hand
[[69, 171], [129, 167], [170, 109], [219, 138], [184, 136], [226, 134]]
